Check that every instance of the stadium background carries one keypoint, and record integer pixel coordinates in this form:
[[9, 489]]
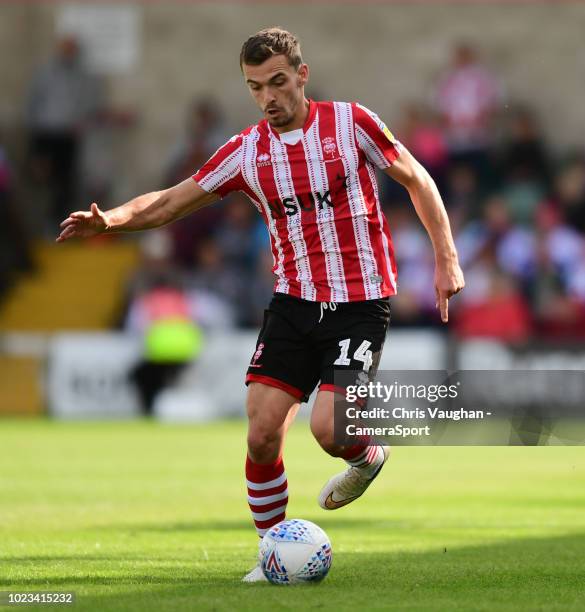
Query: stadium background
[[165, 90], [70, 336]]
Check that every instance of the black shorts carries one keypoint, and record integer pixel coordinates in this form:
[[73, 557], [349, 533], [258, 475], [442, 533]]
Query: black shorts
[[295, 350]]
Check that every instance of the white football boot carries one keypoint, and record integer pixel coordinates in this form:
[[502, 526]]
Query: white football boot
[[346, 487], [255, 575]]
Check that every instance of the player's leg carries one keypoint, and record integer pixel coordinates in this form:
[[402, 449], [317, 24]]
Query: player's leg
[[353, 336], [322, 428], [281, 374], [364, 460], [270, 412]]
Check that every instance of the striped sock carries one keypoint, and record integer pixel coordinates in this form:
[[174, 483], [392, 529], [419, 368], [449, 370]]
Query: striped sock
[[267, 493], [366, 458]]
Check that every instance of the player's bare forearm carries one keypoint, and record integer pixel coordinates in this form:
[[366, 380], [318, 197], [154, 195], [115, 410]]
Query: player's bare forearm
[[431, 211], [144, 212], [427, 203], [158, 208]]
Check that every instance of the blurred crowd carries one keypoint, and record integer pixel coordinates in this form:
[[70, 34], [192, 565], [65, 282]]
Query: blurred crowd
[[53, 166], [517, 211]]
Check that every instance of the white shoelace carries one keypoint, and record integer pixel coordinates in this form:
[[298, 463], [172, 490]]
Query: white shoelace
[[327, 305]]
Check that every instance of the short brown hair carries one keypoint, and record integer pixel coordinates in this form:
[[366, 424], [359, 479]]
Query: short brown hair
[[271, 41]]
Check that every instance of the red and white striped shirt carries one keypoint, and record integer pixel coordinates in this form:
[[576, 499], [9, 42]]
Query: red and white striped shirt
[[319, 199]]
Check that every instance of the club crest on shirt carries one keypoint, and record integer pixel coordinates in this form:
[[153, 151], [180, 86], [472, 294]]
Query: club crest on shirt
[[263, 160], [329, 147]]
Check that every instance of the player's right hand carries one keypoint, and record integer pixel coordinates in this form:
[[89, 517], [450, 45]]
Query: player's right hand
[[83, 224]]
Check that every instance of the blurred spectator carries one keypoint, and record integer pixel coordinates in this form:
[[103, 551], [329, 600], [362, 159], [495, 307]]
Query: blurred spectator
[[492, 305], [524, 157], [501, 312], [467, 98], [204, 133], [211, 276], [237, 235], [207, 307], [516, 254], [461, 195], [560, 315], [191, 230], [162, 315], [414, 304], [421, 134], [62, 99], [569, 193], [524, 167], [511, 247], [169, 307], [156, 250], [523, 200], [491, 227], [558, 305]]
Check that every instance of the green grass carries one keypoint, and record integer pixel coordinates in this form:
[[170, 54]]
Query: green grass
[[139, 516]]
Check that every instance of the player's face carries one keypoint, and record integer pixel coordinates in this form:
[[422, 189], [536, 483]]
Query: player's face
[[278, 89]]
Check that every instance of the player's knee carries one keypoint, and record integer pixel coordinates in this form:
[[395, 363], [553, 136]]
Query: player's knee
[[263, 445], [323, 433]]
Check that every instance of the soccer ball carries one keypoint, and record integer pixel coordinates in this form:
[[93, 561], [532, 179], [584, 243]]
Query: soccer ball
[[295, 551]]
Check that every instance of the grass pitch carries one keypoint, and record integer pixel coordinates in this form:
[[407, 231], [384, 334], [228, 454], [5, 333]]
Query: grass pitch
[[140, 516]]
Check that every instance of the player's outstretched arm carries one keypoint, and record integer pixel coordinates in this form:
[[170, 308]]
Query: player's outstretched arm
[[431, 211], [146, 211]]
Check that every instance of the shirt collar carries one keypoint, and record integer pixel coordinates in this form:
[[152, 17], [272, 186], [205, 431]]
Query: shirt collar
[[308, 121]]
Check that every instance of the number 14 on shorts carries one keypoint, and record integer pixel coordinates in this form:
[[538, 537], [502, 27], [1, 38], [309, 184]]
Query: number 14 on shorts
[[362, 353]]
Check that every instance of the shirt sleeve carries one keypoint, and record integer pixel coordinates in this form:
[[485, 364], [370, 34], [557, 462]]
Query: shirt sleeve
[[222, 172], [374, 138]]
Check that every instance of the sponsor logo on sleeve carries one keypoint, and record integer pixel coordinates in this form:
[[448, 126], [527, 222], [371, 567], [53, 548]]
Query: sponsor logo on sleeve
[[389, 135], [384, 128]]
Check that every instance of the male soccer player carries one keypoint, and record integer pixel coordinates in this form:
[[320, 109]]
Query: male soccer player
[[309, 168]]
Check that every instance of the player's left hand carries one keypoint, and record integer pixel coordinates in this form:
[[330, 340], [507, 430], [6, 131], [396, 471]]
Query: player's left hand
[[448, 281], [83, 224]]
